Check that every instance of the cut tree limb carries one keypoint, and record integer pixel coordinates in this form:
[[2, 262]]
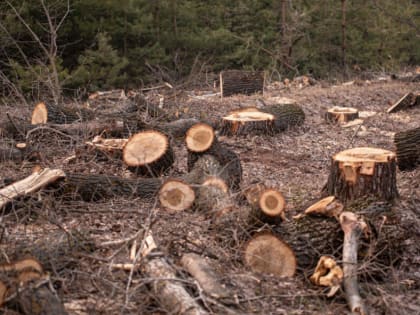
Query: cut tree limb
[[30, 184], [360, 172], [43, 113], [176, 195], [352, 228], [167, 290], [341, 114], [148, 153], [405, 102], [408, 148], [241, 82]]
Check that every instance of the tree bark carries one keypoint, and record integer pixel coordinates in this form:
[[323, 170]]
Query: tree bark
[[408, 149], [285, 116], [241, 82], [405, 102], [44, 113]]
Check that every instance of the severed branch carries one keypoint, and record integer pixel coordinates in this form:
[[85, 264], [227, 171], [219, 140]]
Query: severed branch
[[353, 228]]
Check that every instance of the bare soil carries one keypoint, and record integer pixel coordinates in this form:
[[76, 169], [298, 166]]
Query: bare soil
[[296, 162]]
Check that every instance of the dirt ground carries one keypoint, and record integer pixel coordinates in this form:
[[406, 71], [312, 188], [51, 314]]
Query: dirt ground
[[296, 162]]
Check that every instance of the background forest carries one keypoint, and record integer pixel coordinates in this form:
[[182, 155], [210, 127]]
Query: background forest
[[78, 46]]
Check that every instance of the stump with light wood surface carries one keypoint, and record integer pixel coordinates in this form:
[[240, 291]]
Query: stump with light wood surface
[[341, 114]]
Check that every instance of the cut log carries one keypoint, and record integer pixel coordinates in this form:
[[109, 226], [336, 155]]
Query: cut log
[[90, 187], [352, 228], [361, 172], [11, 152], [241, 82], [27, 285], [148, 153], [285, 116], [267, 253], [176, 195], [245, 121], [170, 293], [405, 102], [408, 148], [43, 113], [341, 114], [268, 205], [213, 196], [30, 184], [229, 160]]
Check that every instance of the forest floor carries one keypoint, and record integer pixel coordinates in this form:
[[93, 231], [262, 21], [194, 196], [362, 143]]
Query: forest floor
[[296, 162]]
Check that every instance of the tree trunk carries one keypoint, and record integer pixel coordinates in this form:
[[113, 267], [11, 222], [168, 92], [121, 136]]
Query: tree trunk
[[241, 82], [361, 172], [10, 152], [341, 114], [405, 102], [285, 116], [408, 148], [246, 121], [44, 113]]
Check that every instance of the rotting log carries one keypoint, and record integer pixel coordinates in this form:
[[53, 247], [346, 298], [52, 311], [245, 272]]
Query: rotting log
[[246, 121], [170, 293], [285, 116], [30, 184], [201, 140], [24, 282], [267, 253], [267, 205], [361, 172], [405, 102], [241, 82], [43, 113], [200, 268], [408, 148], [148, 153], [353, 229], [341, 114], [91, 187]]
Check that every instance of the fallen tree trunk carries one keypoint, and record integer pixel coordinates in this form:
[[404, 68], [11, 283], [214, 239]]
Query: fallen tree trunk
[[201, 140], [361, 172], [166, 289], [91, 187], [13, 152], [405, 102], [408, 148], [44, 113], [285, 116], [241, 82], [30, 184]]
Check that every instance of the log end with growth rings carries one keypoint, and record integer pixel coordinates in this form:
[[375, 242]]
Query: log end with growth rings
[[247, 120], [272, 203], [176, 195], [39, 114], [266, 253], [200, 137]]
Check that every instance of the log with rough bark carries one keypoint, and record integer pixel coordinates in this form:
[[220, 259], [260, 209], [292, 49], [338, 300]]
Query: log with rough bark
[[24, 282], [241, 82], [43, 113], [90, 187], [285, 116], [407, 101], [170, 293], [13, 152], [245, 121], [267, 253], [267, 205], [201, 140], [148, 153], [353, 229], [30, 184], [361, 172], [341, 114], [408, 148]]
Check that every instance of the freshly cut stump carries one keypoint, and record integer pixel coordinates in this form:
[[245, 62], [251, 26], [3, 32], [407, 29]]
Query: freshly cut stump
[[148, 153], [200, 137], [267, 205], [242, 122], [341, 114], [176, 195], [361, 172], [408, 148], [266, 253], [241, 82]]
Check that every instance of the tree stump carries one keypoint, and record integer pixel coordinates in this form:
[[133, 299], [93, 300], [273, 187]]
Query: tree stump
[[285, 116], [245, 121], [201, 140], [43, 113], [341, 114], [267, 253], [408, 148], [241, 82], [361, 172], [148, 153]]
